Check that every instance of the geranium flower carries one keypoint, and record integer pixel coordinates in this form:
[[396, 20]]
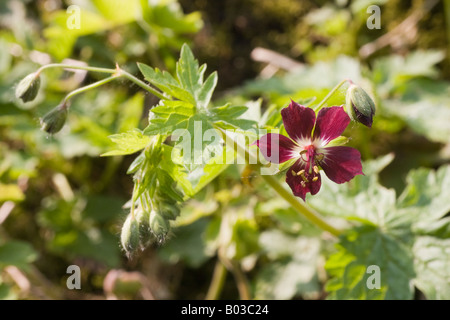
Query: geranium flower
[[307, 142]]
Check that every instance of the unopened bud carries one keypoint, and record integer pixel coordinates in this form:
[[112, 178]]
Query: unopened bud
[[159, 225], [53, 121], [359, 105], [145, 235], [28, 87], [130, 235], [169, 211]]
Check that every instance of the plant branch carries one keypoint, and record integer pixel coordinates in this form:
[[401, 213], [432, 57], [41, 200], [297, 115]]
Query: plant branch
[[141, 84], [88, 87], [69, 66], [217, 281], [117, 72]]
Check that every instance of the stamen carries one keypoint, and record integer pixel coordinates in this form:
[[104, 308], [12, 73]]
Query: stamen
[[303, 184], [301, 173], [315, 179], [316, 169]]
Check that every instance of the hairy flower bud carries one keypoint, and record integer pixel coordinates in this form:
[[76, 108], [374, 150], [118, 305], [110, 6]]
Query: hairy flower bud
[[145, 235], [159, 225], [130, 235], [54, 120], [359, 105], [28, 87], [170, 211]]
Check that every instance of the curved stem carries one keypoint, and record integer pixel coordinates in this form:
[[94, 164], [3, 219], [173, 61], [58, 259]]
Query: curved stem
[[217, 281], [88, 87], [328, 96], [69, 66], [117, 72], [241, 281], [141, 84], [300, 207]]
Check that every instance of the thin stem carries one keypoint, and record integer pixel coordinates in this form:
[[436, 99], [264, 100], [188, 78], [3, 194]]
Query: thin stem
[[241, 281], [141, 84], [69, 66], [89, 87], [117, 72], [217, 281], [300, 207], [328, 96]]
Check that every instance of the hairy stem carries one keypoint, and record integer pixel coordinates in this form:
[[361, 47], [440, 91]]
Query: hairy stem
[[300, 207], [117, 72], [69, 66], [141, 84], [330, 94], [88, 87]]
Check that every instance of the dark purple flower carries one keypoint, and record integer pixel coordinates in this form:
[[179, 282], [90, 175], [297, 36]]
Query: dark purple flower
[[307, 142]]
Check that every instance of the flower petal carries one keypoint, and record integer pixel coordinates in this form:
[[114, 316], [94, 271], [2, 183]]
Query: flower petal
[[341, 164], [297, 183], [276, 148], [330, 124], [298, 121]]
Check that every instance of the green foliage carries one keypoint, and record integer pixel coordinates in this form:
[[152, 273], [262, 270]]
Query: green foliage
[[361, 248], [80, 228], [193, 205], [293, 267], [193, 162], [17, 253], [165, 20], [390, 228], [128, 143]]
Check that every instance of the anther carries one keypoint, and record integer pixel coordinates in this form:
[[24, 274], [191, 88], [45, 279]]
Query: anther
[[316, 169], [315, 179], [319, 157], [303, 184], [294, 173], [302, 175]]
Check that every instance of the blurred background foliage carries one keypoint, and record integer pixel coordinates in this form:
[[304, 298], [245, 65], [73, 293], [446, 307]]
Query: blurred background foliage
[[61, 204]]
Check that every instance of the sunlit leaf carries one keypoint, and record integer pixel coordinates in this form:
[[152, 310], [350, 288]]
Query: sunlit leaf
[[128, 143], [432, 267], [17, 253], [361, 248]]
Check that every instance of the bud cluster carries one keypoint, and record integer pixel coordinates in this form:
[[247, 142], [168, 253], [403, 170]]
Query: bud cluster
[[155, 201]]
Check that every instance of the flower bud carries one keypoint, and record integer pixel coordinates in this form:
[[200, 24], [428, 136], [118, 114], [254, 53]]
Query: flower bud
[[359, 105], [28, 87], [169, 211], [159, 225], [53, 121], [145, 235], [130, 235]]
